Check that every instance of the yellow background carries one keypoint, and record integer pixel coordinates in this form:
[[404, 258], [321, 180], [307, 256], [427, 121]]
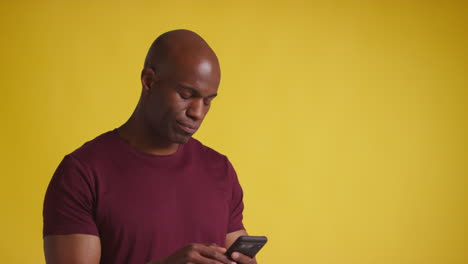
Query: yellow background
[[346, 120]]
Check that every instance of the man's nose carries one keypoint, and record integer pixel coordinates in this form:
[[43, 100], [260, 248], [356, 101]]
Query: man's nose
[[196, 109]]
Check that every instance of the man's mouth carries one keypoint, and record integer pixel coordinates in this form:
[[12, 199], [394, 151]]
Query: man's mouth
[[187, 128]]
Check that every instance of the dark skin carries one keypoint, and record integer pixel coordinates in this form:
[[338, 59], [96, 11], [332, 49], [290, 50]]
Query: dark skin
[[179, 80]]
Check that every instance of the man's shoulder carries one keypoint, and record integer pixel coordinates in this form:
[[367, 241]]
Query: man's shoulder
[[100, 145]]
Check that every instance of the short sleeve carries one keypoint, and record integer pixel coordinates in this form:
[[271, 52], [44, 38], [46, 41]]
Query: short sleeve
[[236, 203], [69, 201]]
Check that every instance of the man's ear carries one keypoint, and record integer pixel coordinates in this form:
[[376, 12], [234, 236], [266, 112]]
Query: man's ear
[[148, 79]]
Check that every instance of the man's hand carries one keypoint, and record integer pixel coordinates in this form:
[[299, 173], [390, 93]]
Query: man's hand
[[236, 256], [197, 254], [242, 259]]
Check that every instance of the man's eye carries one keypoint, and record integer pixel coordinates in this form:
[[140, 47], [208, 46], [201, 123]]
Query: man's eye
[[207, 101], [185, 95]]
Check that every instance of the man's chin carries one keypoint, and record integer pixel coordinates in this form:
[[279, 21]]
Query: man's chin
[[182, 139]]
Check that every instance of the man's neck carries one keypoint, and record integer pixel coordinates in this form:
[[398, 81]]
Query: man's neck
[[136, 135]]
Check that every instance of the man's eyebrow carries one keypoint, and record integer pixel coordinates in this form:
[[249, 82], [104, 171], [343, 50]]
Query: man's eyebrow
[[193, 90]]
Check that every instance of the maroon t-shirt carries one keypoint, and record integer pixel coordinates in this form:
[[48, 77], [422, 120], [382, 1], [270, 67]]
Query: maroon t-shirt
[[142, 206]]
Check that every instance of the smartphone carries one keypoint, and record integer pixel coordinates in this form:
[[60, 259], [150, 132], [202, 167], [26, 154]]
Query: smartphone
[[247, 245]]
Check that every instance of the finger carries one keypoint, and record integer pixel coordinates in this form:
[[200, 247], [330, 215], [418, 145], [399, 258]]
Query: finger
[[199, 259], [212, 252], [193, 255], [218, 248], [242, 259]]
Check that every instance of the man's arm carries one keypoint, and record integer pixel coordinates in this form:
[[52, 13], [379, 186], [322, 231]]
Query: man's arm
[[236, 256], [72, 249]]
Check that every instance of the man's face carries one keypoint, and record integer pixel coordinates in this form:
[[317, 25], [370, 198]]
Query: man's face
[[180, 100]]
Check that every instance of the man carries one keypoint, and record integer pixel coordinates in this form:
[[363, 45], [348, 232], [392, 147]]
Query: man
[[148, 192]]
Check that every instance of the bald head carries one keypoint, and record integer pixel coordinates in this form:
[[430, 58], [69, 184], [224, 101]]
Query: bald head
[[179, 80], [181, 50]]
